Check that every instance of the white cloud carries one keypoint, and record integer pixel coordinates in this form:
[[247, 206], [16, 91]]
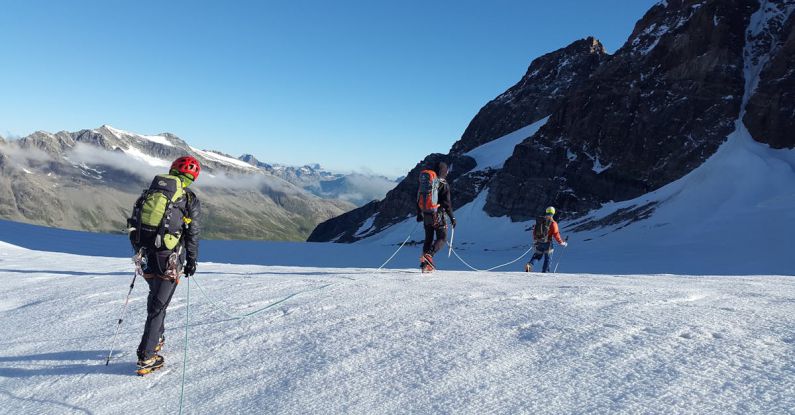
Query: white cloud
[[22, 157], [88, 154]]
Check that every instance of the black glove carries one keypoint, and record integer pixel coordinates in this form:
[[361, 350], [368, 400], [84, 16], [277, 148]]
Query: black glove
[[452, 221], [190, 267], [419, 217]]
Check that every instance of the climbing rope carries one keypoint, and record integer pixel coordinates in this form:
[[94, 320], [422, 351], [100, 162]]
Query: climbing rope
[[492, 268], [233, 316], [454, 252], [400, 247], [221, 309]]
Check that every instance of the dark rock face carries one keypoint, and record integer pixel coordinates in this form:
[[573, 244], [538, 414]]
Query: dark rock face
[[536, 95], [770, 113], [649, 115], [341, 226]]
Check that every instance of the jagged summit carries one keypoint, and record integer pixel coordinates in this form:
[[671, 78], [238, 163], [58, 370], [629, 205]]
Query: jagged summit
[[536, 95]]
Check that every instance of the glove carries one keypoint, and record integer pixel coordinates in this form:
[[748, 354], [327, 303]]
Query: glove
[[190, 267], [452, 221], [419, 217], [564, 244]]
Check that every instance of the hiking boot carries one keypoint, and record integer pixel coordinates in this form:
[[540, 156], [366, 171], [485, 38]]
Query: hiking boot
[[429, 260], [427, 263], [149, 365], [424, 266], [528, 267]]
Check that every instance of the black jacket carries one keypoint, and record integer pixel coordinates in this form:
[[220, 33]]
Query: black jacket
[[192, 230]]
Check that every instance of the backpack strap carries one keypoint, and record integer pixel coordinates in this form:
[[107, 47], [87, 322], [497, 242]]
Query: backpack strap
[[137, 215]]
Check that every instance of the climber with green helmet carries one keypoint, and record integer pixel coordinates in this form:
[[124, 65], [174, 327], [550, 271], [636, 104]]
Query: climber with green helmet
[[544, 232]]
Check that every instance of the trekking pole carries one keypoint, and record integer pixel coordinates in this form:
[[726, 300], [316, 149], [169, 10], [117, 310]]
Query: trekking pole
[[137, 258], [452, 236], [559, 258], [185, 349]]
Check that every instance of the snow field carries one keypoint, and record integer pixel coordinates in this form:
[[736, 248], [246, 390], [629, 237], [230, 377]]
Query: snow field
[[397, 341]]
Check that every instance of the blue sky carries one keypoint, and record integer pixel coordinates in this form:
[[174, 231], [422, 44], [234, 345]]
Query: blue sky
[[353, 85]]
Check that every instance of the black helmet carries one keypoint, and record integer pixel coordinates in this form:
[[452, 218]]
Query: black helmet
[[441, 169]]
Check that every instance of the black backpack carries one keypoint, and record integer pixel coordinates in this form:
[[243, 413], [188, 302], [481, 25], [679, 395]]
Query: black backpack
[[541, 229]]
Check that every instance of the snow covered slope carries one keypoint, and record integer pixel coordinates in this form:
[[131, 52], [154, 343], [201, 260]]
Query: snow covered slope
[[361, 342]]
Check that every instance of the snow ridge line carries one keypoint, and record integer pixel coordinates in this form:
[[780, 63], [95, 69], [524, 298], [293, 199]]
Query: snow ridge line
[[255, 312]]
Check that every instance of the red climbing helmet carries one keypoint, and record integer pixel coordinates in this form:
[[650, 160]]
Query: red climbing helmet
[[187, 165]]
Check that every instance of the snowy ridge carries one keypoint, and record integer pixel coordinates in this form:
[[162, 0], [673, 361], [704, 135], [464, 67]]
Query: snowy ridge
[[159, 139], [220, 158], [150, 160]]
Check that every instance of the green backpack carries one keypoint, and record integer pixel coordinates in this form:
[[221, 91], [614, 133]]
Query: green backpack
[[156, 222]]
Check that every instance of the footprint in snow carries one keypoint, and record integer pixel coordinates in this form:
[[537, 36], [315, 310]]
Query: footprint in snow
[[530, 333]]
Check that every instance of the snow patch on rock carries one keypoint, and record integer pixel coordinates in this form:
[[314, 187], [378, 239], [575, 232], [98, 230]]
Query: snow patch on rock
[[493, 154]]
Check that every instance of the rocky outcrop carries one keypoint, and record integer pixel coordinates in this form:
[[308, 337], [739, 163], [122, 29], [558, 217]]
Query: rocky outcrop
[[539, 93], [341, 226], [770, 113], [649, 115], [49, 143]]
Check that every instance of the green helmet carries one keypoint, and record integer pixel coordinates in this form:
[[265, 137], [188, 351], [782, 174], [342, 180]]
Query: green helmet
[[551, 211]]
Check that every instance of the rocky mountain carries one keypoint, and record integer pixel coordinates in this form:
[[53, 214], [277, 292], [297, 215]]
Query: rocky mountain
[[536, 95], [89, 179], [583, 128], [357, 188]]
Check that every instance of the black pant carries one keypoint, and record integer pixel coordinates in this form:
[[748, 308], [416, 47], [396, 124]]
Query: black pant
[[160, 293], [434, 224]]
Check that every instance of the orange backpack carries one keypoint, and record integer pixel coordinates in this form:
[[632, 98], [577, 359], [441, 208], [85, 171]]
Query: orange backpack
[[428, 193]]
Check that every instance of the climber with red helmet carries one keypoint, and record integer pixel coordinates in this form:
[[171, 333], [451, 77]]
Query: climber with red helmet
[[164, 231]]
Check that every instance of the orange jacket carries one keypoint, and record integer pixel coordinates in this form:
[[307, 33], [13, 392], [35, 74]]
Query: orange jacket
[[554, 232]]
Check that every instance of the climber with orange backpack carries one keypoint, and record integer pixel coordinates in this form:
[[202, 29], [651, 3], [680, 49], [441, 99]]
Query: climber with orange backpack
[[434, 203], [544, 232]]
